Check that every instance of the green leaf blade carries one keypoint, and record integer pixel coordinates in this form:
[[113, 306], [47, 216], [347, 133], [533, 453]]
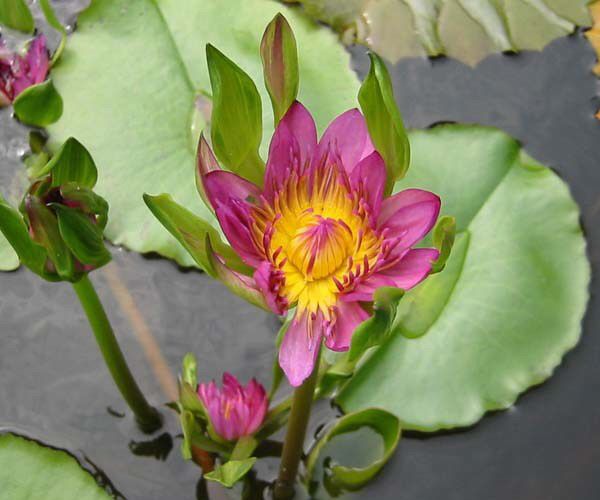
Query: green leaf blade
[[231, 472], [39, 105]]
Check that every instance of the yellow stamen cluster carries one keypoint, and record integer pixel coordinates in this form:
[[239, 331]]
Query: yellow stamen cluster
[[318, 232]]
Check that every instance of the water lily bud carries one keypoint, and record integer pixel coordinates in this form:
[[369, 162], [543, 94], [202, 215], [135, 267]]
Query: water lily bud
[[58, 233], [18, 73], [234, 411], [280, 63]]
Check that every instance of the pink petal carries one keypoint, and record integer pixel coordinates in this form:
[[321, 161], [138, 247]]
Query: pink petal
[[292, 146], [349, 137], [205, 163], [235, 221], [37, 60], [368, 177], [347, 317], [409, 215], [258, 404], [299, 349], [411, 269], [270, 281], [221, 187]]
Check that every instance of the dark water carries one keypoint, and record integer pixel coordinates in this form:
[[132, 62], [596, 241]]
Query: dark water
[[54, 386]]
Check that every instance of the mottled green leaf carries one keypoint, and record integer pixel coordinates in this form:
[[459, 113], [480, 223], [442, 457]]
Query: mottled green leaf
[[468, 30]]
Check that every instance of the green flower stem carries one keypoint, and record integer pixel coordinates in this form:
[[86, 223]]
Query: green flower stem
[[146, 416], [294, 438]]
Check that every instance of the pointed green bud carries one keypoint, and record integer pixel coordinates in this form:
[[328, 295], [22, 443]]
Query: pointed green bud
[[280, 64]]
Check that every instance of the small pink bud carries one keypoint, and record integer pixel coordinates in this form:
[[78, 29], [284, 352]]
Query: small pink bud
[[234, 411], [18, 73]]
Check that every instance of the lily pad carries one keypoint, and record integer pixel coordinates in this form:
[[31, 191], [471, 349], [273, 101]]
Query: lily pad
[[509, 304], [468, 30], [29, 470], [133, 79]]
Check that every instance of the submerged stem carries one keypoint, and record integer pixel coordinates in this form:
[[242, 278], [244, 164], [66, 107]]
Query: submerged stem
[[294, 438], [146, 416]]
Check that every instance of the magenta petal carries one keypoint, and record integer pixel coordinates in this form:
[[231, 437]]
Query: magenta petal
[[347, 136], [412, 268], [298, 350], [222, 186], [292, 146], [258, 405], [270, 281], [409, 215], [348, 316], [369, 177], [235, 221], [37, 60]]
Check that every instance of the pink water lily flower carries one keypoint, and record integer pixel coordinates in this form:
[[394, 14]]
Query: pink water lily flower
[[20, 72], [234, 411], [320, 235]]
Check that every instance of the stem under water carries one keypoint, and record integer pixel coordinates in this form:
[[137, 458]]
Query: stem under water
[[294, 438], [146, 416]]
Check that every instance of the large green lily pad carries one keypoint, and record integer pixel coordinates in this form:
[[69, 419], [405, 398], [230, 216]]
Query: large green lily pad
[[31, 471], [509, 304], [129, 78], [468, 30]]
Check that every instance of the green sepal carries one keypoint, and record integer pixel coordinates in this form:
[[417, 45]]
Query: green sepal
[[244, 448], [342, 478], [236, 128], [39, 105], [443, 239], [231, 472], [277, 372], [72, 163], [374, 330], [16, 15], [55, 23], [44, 227], [234, 282], [189, 370], [82, 235], [15, 231], [191, 231], [88, 201], [279, 56], [376, 98], [190, 401]]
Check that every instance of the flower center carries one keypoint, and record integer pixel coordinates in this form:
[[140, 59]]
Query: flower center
[[320, 246]]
